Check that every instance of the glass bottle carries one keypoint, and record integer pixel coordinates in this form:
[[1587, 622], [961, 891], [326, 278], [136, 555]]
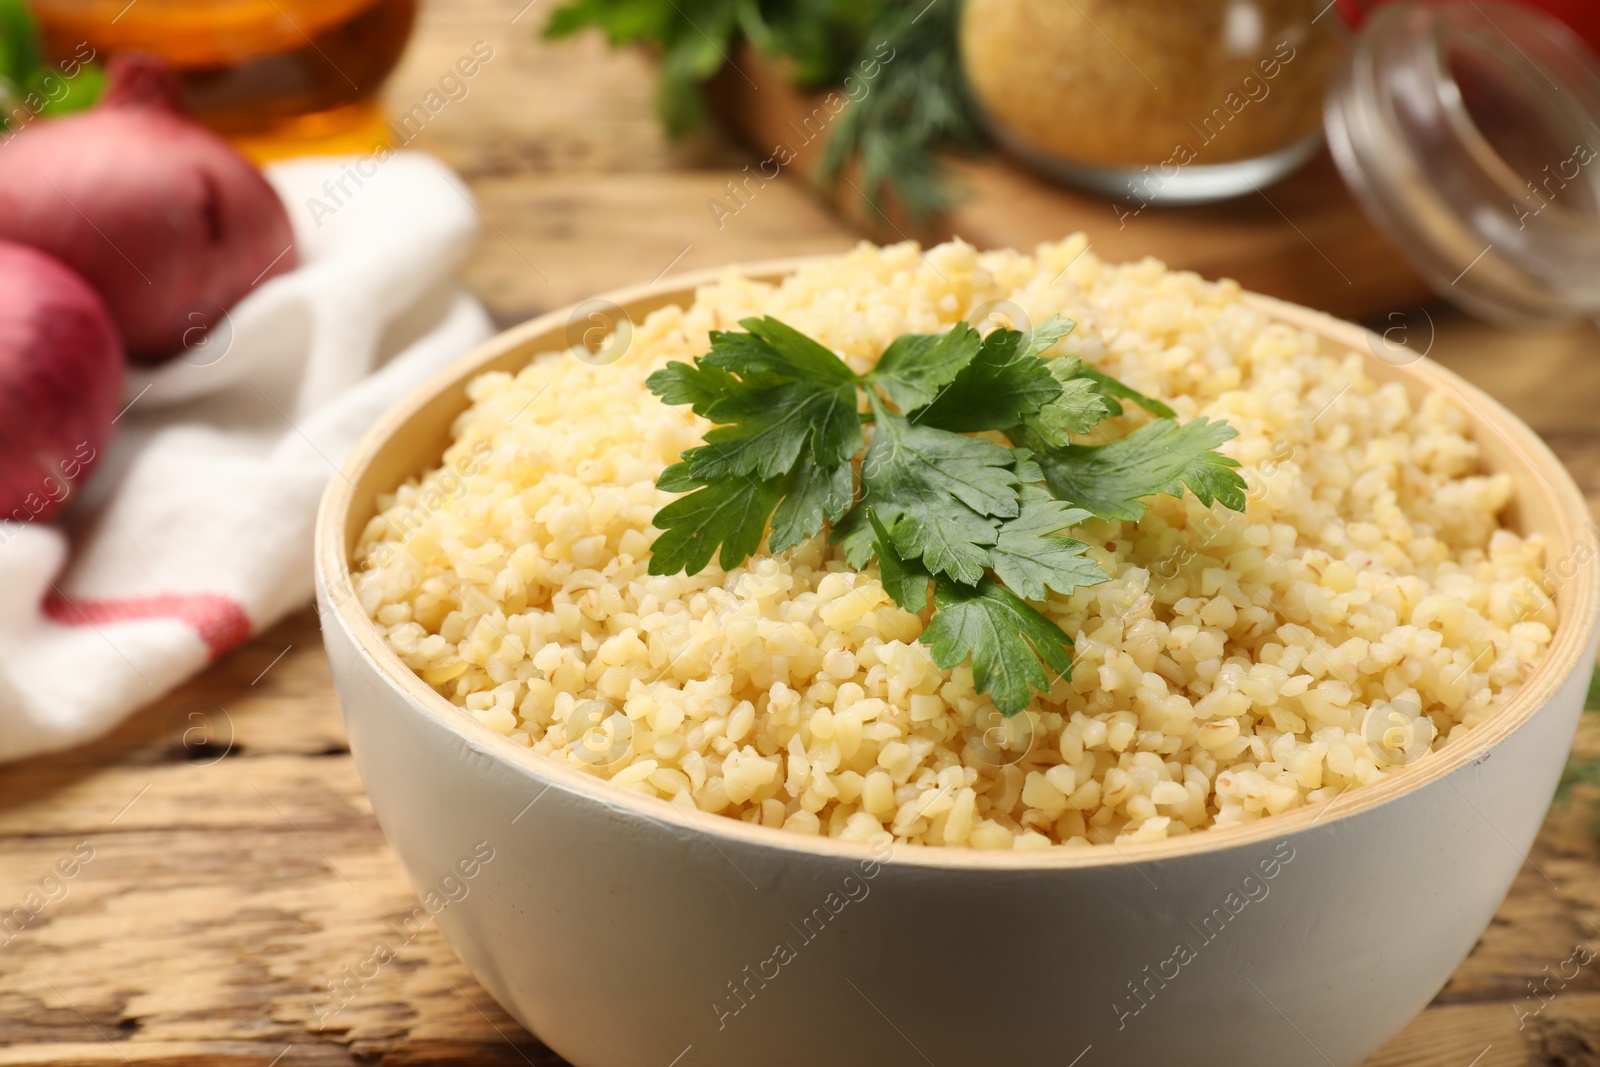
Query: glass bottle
[[278, 77]]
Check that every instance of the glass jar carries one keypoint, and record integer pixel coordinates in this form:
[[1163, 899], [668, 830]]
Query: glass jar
[[278, 77], [1152, 100], [1470, 133]]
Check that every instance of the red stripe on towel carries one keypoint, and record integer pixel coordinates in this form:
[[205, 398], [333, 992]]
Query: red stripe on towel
[[219, 620]]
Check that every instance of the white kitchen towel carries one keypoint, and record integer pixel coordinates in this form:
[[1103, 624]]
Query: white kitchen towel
[[195, 530]]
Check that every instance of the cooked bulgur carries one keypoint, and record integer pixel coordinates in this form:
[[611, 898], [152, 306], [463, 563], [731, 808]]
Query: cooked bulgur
[[1366, 607]]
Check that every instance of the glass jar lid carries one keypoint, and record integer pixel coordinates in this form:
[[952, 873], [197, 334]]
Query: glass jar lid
[[1470, 132]]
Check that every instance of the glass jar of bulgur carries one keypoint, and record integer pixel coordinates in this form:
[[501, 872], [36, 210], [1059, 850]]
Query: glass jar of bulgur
[[1172, 101]]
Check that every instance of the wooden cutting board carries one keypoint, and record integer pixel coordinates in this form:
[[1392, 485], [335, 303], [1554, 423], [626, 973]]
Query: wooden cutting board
[[1304, 239]]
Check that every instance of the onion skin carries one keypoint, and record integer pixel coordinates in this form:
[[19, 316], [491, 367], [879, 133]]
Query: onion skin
[[165, 219], [142, 81], [61, 367]]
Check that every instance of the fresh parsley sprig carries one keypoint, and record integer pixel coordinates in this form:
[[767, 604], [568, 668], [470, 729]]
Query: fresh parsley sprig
[[977, 522]]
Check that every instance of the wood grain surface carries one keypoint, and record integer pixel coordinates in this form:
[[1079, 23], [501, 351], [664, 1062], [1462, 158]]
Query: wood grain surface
[[226, 867]]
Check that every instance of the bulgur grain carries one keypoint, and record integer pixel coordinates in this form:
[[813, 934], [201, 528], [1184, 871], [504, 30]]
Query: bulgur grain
[[1232, 667]]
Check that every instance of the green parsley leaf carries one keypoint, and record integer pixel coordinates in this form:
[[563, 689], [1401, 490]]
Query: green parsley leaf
[[1027, 468], [790, 398], [1111, 389], [771, 428], [853, 535], [677, 479], [732, 513], [1078, 409], [940, 491], [1005, 637], [1160, 457], [915, 365], [1003, 385], [904, 580], [815, 495], [772, 347], [1043, 336], [789, 427], [1030, 554], [1087, 397], [699, 385]]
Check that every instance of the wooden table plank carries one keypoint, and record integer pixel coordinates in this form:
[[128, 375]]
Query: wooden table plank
[[204, 921], [564, 238], [237, 868]]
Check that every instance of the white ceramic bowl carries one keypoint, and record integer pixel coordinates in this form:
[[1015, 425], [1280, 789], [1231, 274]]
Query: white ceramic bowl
[[626, 934]]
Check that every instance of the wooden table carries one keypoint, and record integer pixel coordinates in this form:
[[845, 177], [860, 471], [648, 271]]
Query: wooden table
[[235, 867]]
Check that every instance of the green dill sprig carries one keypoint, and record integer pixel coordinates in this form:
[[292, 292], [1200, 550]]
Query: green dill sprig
[[917, 105], [914, 104], [976, 524], [694, 39]]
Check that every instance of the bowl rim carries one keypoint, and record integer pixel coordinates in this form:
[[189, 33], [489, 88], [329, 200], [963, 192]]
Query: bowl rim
[[1578, 599]]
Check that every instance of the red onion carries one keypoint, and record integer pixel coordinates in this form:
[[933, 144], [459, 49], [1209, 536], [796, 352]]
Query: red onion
[[163, 217], [60, 381]]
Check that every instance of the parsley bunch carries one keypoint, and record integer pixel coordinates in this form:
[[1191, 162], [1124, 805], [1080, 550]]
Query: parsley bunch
[[978, 522]]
